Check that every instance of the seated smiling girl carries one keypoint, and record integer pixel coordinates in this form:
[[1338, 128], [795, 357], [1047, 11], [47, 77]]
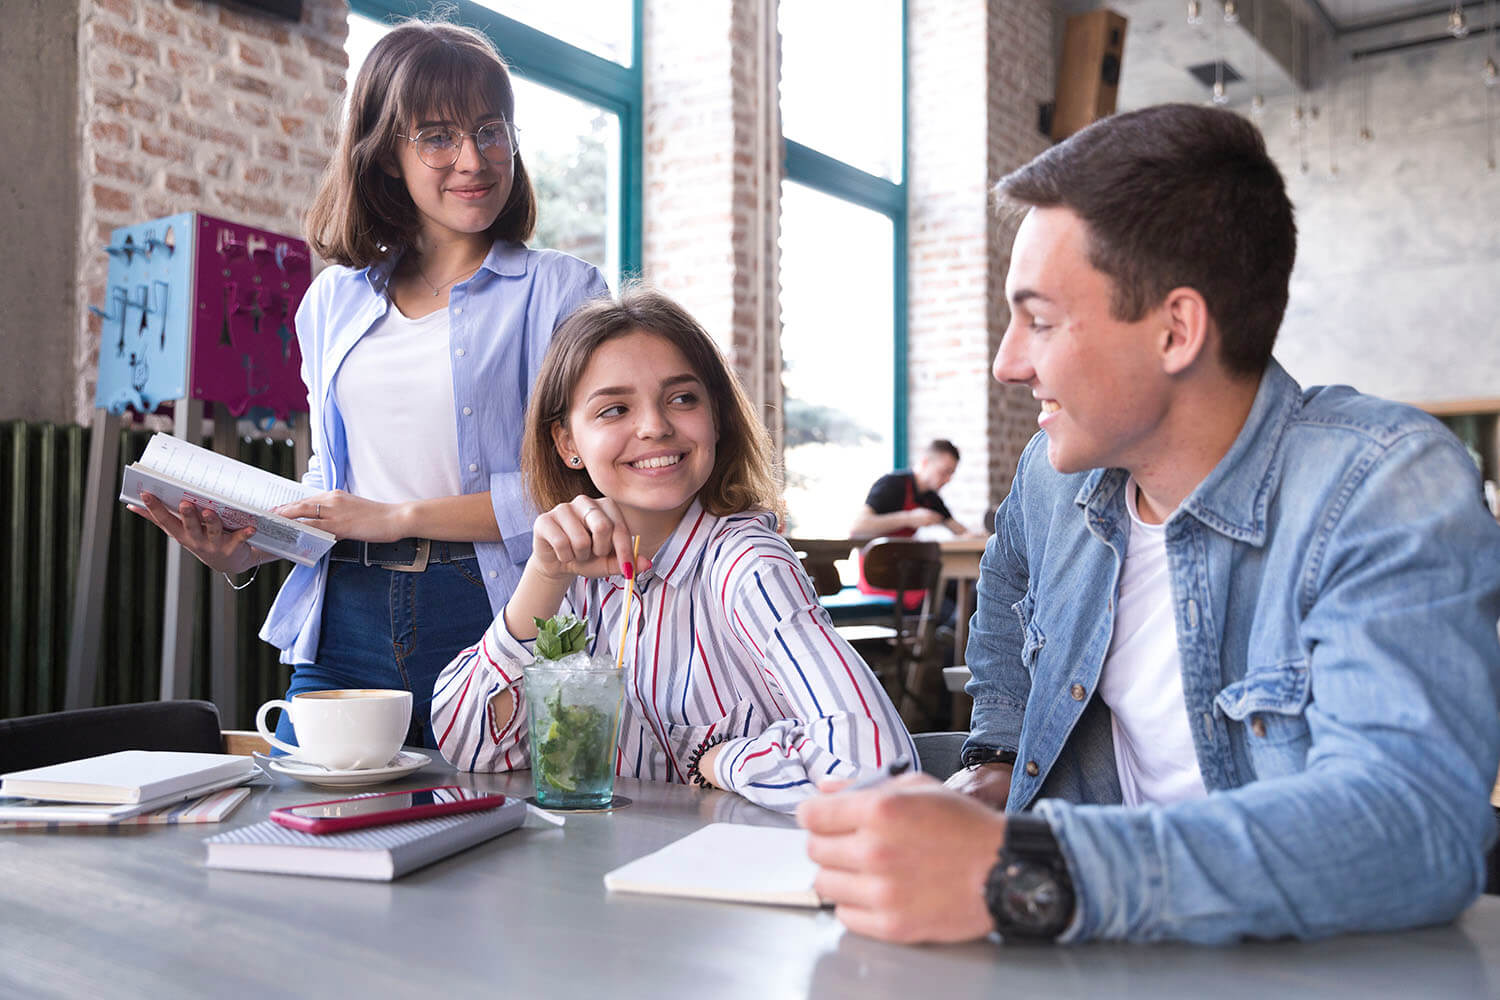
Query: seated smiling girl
[[736, 678]]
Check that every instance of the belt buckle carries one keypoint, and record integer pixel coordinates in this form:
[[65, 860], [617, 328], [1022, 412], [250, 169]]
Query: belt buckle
[[418, 559]]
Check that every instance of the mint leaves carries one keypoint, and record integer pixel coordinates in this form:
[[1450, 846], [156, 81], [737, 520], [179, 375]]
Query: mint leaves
[[560, 635]]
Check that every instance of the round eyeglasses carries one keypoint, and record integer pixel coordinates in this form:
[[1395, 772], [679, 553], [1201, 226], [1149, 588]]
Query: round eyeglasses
[[439, 145]]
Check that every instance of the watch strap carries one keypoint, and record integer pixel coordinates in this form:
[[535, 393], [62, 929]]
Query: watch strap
[[973, 756]]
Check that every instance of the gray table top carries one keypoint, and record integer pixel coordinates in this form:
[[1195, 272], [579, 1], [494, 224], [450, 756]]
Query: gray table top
[[135, 913]]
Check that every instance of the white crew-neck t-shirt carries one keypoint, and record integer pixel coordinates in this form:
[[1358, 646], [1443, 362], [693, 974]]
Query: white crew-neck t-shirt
[[395, 391], [1141, 680]]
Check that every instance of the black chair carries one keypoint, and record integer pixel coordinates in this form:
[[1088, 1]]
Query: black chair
[[39, 740], [909, 645], [940, 754]]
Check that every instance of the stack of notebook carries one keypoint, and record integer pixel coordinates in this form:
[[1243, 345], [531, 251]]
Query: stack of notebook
[[125, 786]]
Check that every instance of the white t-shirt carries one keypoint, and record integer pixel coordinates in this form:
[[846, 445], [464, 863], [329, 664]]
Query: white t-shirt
[[395, 390], [1141, 680]]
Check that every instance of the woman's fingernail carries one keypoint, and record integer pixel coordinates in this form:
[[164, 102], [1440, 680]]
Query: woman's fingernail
[[629, 572]]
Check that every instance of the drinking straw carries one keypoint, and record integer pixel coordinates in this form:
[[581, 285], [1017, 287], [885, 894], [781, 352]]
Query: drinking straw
[[635, 554]]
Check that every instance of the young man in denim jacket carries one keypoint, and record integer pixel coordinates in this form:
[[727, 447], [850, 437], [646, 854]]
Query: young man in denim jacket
[[1235, 658]]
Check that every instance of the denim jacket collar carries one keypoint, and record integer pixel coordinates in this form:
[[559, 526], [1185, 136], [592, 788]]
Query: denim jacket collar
[[1234, 497]]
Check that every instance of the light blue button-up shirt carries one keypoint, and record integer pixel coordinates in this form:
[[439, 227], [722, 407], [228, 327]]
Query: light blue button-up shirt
[[1335, 585], [501, 321]]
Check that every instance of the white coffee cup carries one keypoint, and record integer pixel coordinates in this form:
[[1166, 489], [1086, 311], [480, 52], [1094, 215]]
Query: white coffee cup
[[346, 730]]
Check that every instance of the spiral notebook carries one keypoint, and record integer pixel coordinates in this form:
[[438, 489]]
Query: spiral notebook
[[380, 853]]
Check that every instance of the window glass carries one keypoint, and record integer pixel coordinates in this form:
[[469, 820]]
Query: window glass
[[838, 351], [841, 80], [572, 153], [603, 27]]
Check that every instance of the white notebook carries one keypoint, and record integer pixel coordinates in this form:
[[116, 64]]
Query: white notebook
[[129, 777], [727, 861], [379, 853]]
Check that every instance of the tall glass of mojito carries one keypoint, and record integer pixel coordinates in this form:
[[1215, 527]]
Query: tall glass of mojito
[[573, 701]]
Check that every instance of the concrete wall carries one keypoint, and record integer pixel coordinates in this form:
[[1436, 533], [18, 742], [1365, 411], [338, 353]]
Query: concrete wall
[[38, 186], [1397, 284]]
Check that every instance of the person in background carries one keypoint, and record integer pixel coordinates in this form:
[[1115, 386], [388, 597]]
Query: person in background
[[1235, 661], [738, 680], [419, 348], [900, 502]]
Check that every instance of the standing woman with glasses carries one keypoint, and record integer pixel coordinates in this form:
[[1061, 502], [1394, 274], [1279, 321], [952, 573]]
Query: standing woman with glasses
[[419, 349]]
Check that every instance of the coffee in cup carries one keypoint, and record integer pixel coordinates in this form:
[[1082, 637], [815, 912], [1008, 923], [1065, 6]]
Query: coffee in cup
[[347, 730]]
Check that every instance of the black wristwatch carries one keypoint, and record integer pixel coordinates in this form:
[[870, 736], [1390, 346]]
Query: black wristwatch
[[974, 756], [1028, 892]]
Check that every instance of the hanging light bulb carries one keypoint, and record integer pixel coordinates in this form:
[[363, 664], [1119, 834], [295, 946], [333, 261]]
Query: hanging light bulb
[[1219, 96], [1365, 135], [1491, 73], [1458, 24], [1231, 12], [1298, 116], [1194, 12], [1258, 105]]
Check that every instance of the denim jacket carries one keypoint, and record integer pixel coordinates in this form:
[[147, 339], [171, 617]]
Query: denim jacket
[[1336, 586]]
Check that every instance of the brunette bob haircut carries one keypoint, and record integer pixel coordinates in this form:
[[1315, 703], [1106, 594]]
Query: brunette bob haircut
[[420, 69], [1176, 196], [743, 476]]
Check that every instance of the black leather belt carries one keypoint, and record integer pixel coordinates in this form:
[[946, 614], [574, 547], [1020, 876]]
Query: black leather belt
[[406, 555]]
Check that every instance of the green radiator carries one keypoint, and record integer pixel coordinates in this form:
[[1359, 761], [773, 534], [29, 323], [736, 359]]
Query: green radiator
[[42, 476]]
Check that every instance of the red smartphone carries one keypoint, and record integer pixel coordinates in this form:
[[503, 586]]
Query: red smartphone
[[336, 815]]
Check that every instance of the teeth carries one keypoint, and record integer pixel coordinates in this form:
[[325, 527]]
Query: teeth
[[656, 463], [1050, 407]]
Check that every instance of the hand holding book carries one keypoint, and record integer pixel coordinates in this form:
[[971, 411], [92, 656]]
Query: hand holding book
[[204, 534]]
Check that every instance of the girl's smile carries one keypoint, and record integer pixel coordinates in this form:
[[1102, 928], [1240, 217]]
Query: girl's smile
[[642, 423]]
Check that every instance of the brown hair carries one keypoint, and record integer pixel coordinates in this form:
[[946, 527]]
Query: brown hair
[[942, 446], [743, 476], [1178, 196], [362, 214]]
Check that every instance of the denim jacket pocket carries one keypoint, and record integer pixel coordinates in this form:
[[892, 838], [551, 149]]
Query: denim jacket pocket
[[1270, 704]]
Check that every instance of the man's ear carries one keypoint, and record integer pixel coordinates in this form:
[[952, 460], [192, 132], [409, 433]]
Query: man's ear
[[1186, 329], [562, 439]]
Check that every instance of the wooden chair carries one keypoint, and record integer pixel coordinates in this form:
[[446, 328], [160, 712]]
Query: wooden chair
[[820, 557], [909, 643]]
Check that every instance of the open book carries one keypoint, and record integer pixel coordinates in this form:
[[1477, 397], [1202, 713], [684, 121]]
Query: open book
[[726, 861], [171, 469]]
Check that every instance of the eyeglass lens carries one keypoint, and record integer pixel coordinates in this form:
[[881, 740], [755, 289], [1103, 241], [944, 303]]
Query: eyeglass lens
[[439, 147]]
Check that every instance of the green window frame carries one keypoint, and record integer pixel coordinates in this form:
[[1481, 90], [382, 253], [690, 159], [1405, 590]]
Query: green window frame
[[551, 62], [833, 177]]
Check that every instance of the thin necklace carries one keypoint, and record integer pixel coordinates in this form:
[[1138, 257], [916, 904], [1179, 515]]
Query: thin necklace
[[437, 289]]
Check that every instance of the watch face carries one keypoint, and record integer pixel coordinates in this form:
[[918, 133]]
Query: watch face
[[1033, 900]]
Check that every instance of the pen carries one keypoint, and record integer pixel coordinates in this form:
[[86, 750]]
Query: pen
[[875, 777]]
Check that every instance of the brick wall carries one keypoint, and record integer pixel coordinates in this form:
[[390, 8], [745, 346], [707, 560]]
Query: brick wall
[[711, 200], [186, 105], [977, 71]]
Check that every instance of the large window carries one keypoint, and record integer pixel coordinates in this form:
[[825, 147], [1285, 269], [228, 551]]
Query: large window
[[843, 255], [576, 68]]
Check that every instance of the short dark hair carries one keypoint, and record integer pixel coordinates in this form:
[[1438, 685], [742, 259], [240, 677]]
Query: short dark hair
[[942, 446], [1178, 195], [361, 214], [744, 474]]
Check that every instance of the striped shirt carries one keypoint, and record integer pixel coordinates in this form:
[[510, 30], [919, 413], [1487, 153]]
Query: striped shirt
[[726, 636]]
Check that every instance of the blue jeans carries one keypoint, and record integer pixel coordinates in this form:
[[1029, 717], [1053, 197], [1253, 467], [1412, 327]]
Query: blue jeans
[[383, 629]]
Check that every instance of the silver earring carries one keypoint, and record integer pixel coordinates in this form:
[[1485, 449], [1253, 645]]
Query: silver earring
[[575, 461]]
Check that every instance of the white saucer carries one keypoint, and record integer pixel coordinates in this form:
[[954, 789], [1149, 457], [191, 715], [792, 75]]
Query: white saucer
[[407, 761]]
